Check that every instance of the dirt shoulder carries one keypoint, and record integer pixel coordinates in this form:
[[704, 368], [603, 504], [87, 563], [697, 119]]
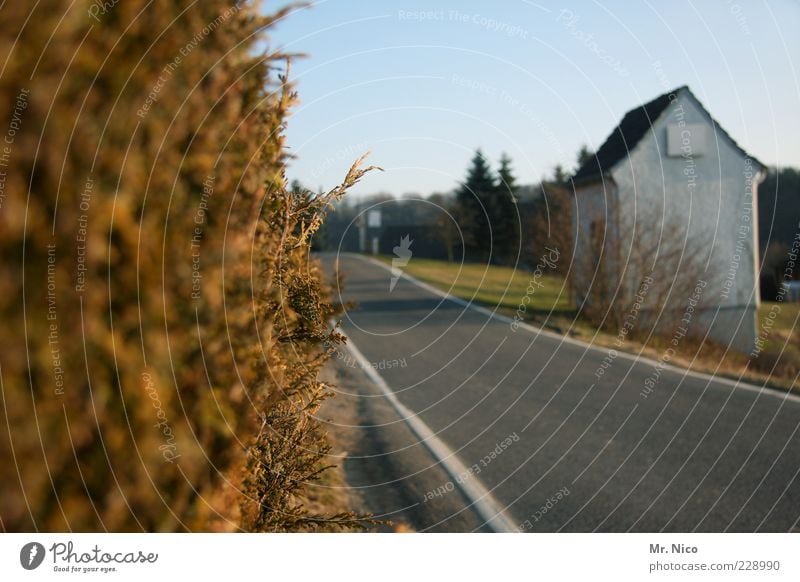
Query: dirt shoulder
[[382, 469]]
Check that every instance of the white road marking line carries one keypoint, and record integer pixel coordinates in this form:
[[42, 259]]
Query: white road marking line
[[763, 390], [480, 498]]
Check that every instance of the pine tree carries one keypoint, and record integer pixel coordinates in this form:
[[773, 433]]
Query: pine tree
[[584, 155], [504, 215], [559, 175], [474, 203]]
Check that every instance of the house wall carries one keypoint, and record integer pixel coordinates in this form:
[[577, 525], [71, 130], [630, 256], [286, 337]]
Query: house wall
[[592, 202], [707, 203]]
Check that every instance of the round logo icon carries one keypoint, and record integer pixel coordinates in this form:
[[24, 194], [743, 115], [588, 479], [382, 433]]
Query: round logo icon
[[31, 555]]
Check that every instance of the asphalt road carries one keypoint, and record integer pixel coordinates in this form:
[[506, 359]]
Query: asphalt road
[[581, 454]]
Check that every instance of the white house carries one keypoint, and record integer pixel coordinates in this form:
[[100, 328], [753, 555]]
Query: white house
[[670, 198]]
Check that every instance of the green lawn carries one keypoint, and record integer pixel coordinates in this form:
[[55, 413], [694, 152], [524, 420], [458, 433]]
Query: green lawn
[[494, 286], [786, 316], [550, 306], [782, 335], [505, 287]]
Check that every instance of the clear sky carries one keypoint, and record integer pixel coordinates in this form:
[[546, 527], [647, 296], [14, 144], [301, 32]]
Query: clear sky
[[422, 84]]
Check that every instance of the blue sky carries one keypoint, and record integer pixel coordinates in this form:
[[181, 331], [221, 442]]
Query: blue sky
[[422, 84]]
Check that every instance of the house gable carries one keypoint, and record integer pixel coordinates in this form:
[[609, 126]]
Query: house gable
[[638, 124], [687, 185]]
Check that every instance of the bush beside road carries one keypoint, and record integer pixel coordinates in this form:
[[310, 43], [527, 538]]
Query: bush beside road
[[550, 307]]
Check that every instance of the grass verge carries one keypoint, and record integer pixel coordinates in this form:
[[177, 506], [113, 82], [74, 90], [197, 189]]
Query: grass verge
[[550, 306]]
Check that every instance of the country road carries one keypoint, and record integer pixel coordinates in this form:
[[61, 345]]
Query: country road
[[576, 453]]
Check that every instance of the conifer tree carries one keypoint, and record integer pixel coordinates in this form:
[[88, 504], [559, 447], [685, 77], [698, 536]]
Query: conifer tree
[[559, 175], [584, 155], [504, 215], [474, 202]]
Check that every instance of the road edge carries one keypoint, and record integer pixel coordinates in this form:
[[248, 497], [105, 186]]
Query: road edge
[[742, 385], [481, 500]]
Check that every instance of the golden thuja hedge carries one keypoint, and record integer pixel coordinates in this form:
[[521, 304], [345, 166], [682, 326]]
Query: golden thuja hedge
[[161, 322]]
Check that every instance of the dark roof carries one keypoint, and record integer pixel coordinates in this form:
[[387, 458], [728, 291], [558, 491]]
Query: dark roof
[[633, 127], [636, 123]]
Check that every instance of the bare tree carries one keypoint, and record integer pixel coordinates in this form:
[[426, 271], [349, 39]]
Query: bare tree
[[649, 268], [549, 224], [449, 216]]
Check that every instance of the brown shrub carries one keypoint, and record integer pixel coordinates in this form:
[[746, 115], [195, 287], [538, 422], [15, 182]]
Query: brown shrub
[[778, 362], [161, 322]]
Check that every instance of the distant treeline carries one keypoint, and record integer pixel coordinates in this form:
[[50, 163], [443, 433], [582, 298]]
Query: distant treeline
[[778, 225], [526, 219], [487, 218]]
